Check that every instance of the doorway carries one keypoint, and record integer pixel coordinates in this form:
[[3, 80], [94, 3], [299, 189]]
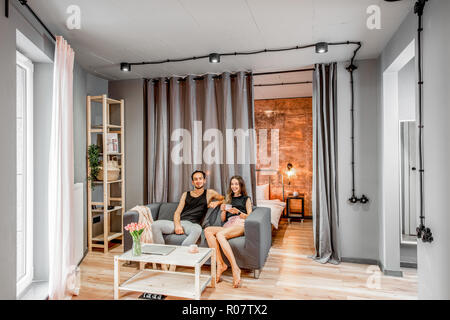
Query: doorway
[[399, 172]]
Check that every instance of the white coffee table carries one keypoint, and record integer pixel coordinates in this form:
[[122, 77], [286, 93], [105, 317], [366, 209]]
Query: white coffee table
[[178, 284]]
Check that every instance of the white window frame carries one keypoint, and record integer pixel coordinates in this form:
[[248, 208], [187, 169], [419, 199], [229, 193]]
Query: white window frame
[[28, 172]]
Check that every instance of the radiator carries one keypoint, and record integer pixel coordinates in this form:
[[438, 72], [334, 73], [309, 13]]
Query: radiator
[[78, 205]]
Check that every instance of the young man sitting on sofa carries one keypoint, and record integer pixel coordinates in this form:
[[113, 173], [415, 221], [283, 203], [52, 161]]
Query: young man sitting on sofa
[[191, 210]]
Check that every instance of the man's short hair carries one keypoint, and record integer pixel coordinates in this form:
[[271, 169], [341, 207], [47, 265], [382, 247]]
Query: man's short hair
[[198, 171]]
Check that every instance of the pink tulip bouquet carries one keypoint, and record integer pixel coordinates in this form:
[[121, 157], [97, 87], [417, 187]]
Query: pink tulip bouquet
[[136, 230]]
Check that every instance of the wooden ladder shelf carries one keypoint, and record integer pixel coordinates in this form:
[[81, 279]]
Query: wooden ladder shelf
[[109, 108]]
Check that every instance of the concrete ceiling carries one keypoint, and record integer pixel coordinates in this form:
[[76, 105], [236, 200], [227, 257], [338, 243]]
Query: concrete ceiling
[[113, 31]]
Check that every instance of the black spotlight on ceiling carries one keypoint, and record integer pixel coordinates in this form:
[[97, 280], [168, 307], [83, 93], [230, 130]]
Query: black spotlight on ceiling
[[125, 66], [214, 58], [321, 47]]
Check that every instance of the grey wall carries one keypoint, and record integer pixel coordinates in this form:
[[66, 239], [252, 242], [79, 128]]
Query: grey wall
[[434, 258], [358, 223], [8, 159], [132, 92], [84, 84], [407, 92]]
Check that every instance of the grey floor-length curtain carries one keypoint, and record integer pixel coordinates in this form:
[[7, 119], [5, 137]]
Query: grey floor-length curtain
[[189, 117], [325, 177]]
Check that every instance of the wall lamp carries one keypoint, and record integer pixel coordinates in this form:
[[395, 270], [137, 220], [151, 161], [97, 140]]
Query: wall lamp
[[290, 172]]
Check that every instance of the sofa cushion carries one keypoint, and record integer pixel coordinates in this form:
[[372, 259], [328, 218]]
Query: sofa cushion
[[212, 218], [167, 210]]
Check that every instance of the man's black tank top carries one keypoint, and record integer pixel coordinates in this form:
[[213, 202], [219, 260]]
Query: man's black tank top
[[194, 208]]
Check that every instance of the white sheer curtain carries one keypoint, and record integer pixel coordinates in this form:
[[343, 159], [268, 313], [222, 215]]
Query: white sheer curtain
[[62, 270]]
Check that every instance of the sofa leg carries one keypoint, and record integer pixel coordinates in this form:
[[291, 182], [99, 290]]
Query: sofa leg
[[256, 273]]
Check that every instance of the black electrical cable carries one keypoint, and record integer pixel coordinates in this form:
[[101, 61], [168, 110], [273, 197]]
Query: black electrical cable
[[351, 69], [241, 53], [423, 232], [7, 8]]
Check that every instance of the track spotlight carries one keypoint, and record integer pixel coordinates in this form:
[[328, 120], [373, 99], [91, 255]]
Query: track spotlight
[[214, 58], [322, 47], [125, 66]]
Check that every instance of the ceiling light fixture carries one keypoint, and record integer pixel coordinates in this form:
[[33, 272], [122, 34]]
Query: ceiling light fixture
[[125, 66], [214, 58], [322, 47]]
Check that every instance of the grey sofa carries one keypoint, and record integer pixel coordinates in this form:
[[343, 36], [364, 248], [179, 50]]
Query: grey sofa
[[250, 250]]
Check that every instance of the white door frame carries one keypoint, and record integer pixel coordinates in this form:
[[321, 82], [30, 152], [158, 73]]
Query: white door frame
[[391, 210]]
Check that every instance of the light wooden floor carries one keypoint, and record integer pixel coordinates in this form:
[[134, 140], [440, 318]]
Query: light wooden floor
[[287, 274]]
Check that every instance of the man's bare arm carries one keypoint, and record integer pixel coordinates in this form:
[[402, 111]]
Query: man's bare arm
[[214, 195], [177, 214]]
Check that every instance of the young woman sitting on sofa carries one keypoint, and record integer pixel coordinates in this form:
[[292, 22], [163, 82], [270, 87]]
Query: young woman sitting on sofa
[[234, 211]]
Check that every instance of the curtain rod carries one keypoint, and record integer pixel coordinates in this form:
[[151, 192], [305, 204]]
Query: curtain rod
[[25, 4], [286, 71], [281, 84], [183, 78]]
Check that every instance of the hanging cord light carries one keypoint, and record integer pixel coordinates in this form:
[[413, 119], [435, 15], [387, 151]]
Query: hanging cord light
[[351, 69], [423, 232]]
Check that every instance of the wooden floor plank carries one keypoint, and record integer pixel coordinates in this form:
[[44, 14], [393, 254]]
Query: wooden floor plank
[[288, 274]]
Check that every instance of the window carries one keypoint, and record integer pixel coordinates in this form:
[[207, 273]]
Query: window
[[24, 140]]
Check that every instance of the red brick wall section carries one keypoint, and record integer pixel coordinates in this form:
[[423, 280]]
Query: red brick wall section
[[293, 118]]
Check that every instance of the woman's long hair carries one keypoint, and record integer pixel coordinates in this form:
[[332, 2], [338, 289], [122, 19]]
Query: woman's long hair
[[230, 192]]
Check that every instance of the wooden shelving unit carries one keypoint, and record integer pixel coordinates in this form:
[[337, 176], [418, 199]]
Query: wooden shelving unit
[[110, 108]]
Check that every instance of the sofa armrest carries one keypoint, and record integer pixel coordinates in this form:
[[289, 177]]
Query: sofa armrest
[[133, 216], [258, 236]]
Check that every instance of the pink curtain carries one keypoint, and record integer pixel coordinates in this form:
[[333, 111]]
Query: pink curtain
[[62, 269]]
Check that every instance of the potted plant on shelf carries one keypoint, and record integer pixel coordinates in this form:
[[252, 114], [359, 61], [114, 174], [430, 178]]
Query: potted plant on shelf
[[94, 162]]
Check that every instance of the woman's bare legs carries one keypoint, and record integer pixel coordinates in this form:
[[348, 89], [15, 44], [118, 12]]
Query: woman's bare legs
[[210, 235], [222, 237]]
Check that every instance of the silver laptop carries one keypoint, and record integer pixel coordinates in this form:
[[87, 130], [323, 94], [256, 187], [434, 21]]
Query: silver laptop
[[158, 250]]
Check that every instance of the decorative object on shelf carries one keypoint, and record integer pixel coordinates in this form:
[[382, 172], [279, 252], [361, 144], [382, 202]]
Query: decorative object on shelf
[[295, 194], [113, 170], [112, 141], [94, 162], [136, 230]]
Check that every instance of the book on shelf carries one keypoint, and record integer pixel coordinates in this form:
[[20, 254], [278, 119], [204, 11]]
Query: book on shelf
[[112, 143]]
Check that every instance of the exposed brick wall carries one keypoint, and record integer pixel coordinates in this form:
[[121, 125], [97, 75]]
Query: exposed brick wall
[[293, 118]]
